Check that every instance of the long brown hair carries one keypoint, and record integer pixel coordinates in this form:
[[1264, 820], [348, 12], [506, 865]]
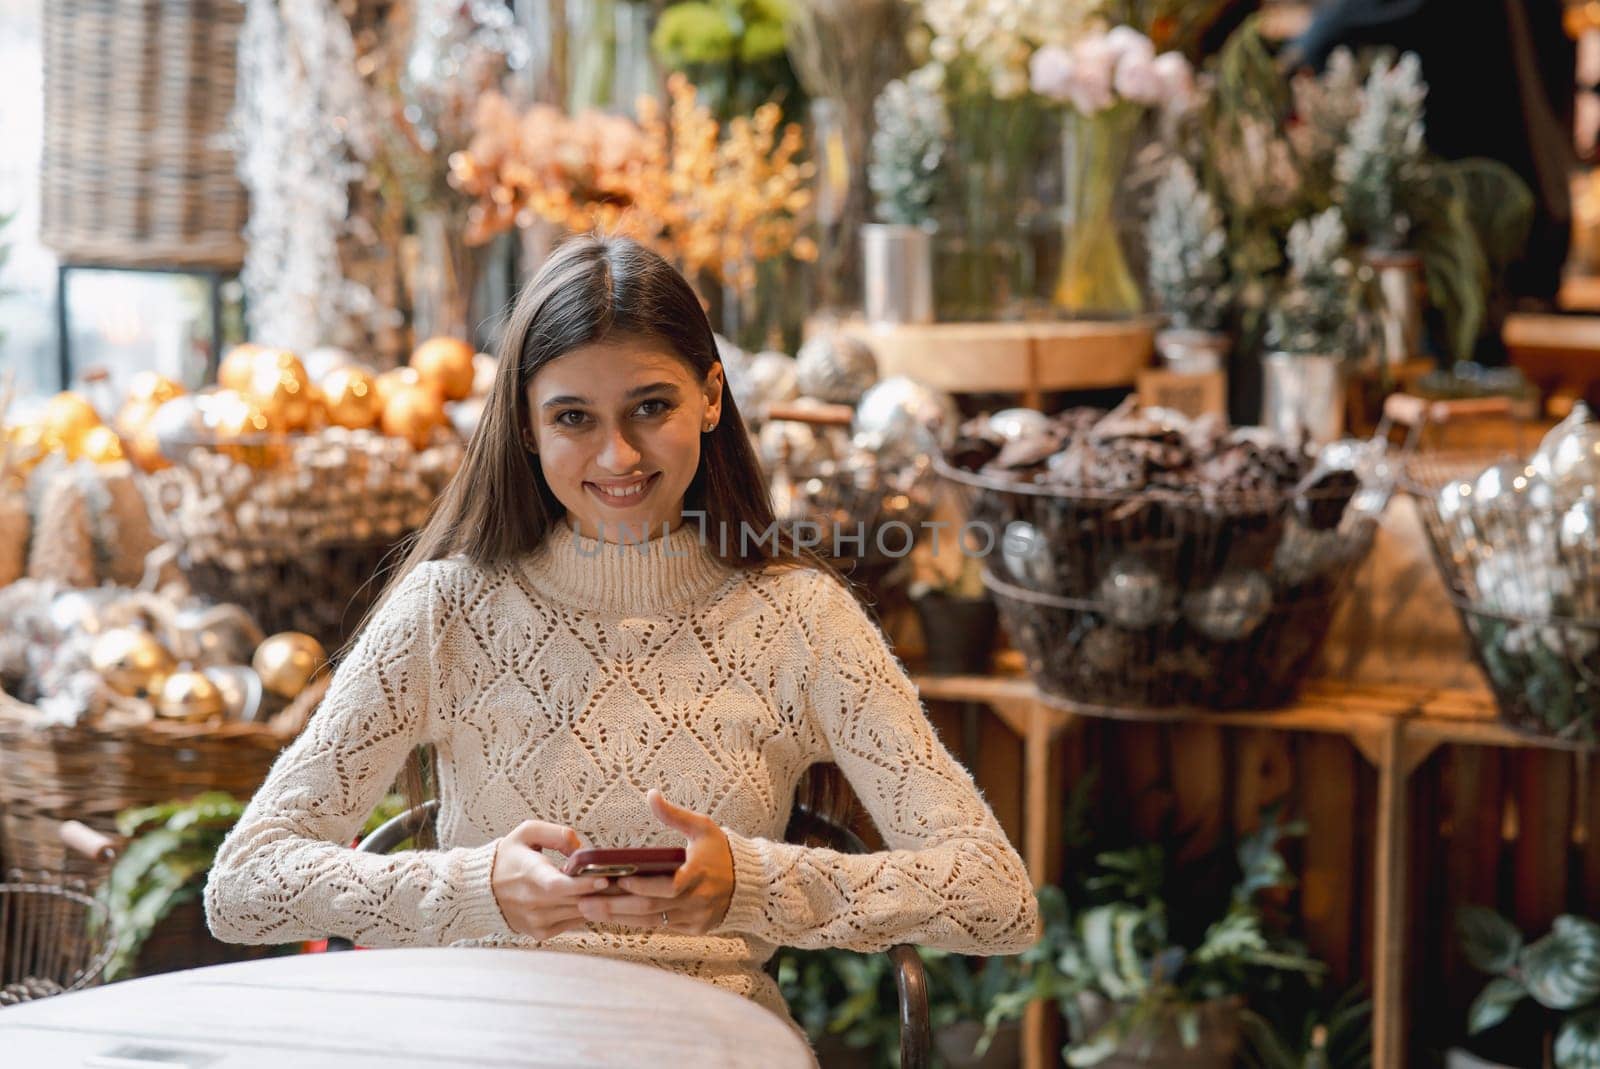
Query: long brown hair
[[499, 506]]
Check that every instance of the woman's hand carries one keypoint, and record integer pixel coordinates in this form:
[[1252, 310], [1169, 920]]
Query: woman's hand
[[538, 899], [694, 900]]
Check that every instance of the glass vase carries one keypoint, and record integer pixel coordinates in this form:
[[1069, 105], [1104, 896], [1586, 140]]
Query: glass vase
[[443, 275], [1095, 280]]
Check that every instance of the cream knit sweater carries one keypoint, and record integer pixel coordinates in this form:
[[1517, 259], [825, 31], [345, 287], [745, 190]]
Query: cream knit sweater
[[564, 687]]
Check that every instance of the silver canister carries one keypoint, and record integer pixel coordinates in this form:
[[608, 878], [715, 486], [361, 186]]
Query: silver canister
[[1302, 396], [1397, 285], [1193, 352], [897, 273]]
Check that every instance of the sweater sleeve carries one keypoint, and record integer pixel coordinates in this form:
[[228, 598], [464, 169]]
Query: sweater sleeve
[[285, 873], [950, 880]]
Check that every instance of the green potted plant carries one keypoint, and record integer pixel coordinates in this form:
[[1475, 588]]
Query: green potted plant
[[1143, 982], [958, 618], [1560, 972], [1313, 331], [961, 991], [1188, 272], [903, 173], [153, 891], [1304, 1033], [846, 1003]]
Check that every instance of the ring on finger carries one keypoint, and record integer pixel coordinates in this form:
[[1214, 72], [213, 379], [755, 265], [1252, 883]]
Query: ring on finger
[[664, 919]]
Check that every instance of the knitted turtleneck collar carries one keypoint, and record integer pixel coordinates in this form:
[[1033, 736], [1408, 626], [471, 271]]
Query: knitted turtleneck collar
[[653, 576]]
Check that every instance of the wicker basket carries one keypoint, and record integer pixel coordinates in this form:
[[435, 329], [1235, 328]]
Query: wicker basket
[[137, 95], [52, 774], [1163, 600]]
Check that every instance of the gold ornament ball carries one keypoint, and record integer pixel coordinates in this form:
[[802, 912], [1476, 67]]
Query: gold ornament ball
[[102, 445], [188, 697], [352, 398], [282, 388], [67, 418], [414, 413], [30, 443], [287, 661], [394, 380], [131, 661], [239, 366], [447, 363], [242, 428], [152, 387]]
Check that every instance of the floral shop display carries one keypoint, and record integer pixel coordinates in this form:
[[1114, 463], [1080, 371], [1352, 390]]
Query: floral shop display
[[1140, 558], [728, 205], [1518, 543], [907, 158], [1188, 274]]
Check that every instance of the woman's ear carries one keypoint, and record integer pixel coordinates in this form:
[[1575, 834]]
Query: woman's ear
[[714, 387]]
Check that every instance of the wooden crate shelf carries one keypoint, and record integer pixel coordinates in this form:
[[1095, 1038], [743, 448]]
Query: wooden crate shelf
[[1394, 727]]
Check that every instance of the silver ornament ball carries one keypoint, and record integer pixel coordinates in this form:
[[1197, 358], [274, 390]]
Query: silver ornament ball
[[836, 367], [900, 418], [1133, 595], [1230, 608]]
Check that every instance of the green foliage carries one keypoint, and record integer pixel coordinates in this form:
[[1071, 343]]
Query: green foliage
[[171, 849], [1560, 971], [1305, 1034], [1118, 935], [164, 865], [1267, 168], [734, 51]]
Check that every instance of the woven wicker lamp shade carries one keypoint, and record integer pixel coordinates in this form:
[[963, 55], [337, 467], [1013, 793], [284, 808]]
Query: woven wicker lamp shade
[[137, 95]]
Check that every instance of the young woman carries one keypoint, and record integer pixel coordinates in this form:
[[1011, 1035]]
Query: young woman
[[581, 685]]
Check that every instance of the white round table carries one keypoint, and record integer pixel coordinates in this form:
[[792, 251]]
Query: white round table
[[430, 1007]]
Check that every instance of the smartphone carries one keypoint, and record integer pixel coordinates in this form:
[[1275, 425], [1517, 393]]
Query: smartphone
[[654, 861]]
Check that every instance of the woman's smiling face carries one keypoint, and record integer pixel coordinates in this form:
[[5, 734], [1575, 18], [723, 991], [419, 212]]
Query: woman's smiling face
[[617, 427]]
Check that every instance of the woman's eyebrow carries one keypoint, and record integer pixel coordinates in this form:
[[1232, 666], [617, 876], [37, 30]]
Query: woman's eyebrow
[[637, 391]]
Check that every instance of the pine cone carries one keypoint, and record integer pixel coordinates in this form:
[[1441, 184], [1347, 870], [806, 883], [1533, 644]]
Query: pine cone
[[63, 544]]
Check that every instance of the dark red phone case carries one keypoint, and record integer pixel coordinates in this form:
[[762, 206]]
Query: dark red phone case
[[642, 861]]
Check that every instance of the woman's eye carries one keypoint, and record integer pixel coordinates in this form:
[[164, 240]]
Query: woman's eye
[[571, 418], [654, 408]]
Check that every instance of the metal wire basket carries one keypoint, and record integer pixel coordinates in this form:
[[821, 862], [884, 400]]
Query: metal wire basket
[[54, 937], [1522, 567]]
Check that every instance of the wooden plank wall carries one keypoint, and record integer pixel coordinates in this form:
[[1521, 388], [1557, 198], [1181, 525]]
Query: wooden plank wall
[[1512, 829]]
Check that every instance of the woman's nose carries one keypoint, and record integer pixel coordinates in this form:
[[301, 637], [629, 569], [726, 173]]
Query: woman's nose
[[618, 456]]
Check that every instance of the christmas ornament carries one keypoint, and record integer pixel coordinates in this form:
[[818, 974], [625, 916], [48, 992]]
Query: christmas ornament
[[68, 417], [326, 359], [240, 688], [447, 363], [768, 378], [789, 442], [287, 661], [835, 367], [413, 413], [221, 634], [1568, 457], [80, 610], [188, 697], [102, 445], [241, 428], [281, 388], [1517, 583], [131, 661], [899, 418], [133, 423], [351, 397], [1012, 424], [149, 386], [394, 380], [1026, 555], [1230, 608], [1133, 595], [239, 366], [174, 428]]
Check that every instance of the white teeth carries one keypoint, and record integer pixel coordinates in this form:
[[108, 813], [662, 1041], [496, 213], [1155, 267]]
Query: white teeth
[[627, 491]]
